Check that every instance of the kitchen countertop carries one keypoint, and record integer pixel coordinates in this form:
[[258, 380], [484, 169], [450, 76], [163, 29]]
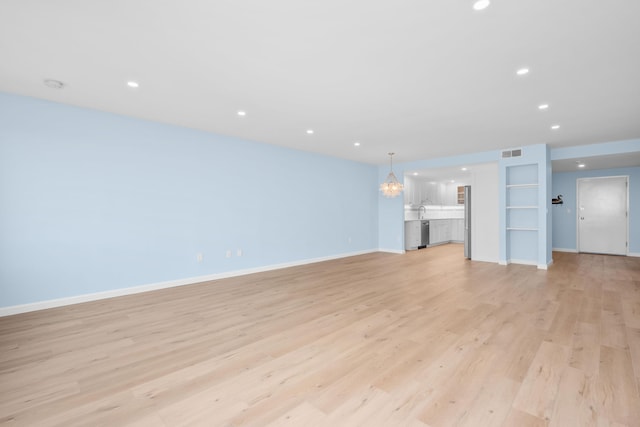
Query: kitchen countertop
[[431, 219]]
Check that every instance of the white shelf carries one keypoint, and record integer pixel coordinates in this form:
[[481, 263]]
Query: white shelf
[[521, 185], [521, 222]]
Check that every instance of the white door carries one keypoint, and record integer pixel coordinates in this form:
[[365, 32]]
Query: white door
[[602, 215]]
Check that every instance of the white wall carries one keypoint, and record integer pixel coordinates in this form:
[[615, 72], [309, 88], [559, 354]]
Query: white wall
[[485, 235]]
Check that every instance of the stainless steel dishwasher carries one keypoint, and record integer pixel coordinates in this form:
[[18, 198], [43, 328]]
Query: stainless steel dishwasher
[[424, 233]]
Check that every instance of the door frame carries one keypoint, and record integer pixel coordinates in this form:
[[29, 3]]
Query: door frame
[[577, 209]]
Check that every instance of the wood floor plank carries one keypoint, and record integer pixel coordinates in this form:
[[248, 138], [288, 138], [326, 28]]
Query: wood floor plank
[[584, 354], [424, 339], [492, 404], [449, 403], [540, 387], [616, 395], [572, 406], [631, 312], [633, 337], [518, 418]]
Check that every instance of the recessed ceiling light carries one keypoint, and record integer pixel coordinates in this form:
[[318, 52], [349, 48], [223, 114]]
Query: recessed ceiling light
[[310, 131], [242, 113], [543, 106], [357, 144], [555, 127], [415, 174], [133, 84], [453, 180], [481, 4], [464, 169], [522, 71], [581, 165], [53, 84]]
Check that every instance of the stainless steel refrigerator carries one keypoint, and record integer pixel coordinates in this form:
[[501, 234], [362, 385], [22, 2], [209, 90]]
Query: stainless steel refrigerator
[[467, 221]]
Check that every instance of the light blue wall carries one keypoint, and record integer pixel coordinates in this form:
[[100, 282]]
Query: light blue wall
[[91, 202], [564, 216], [527, 246]]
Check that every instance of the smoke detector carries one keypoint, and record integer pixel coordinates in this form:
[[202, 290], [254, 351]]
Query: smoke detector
[[53, 84]]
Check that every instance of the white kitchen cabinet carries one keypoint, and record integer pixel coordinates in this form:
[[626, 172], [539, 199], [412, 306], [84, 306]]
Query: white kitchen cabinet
[[414, 191], [433, 193], [457, 230], [409, 191], [447, 197], [439, 231], [446, 230], [420, 192], [435, 234], [412, 235]]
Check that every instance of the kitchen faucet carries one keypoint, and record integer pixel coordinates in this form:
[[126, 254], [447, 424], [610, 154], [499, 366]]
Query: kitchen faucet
[[420, 210]]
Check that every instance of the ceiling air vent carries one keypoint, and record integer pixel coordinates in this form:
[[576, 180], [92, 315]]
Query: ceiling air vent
[[512, 153]]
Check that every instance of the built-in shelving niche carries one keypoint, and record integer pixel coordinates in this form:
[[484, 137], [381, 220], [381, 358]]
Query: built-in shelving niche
[[522, 213]]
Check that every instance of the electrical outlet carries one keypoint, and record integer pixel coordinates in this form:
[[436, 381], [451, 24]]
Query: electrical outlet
[[239, 252], [228, 253], [199, 257]]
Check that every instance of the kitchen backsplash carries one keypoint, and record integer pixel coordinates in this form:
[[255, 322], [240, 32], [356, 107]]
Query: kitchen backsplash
[[434, 212]]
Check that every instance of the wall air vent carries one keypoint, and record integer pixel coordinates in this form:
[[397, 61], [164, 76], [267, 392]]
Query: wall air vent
[[512, 153]]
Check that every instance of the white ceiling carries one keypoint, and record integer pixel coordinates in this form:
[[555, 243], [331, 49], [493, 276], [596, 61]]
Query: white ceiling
[[599, 162], [443, 175], [446, 174], [421, 78]]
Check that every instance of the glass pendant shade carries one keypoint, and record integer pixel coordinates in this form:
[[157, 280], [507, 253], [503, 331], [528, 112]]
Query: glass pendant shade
[[391, 187]]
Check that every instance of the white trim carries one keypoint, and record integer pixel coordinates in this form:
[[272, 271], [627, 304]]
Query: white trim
[[573, 251], [521, 261], [391, 251], [77, 299], [484, 260], [635, 254], [545, 266]]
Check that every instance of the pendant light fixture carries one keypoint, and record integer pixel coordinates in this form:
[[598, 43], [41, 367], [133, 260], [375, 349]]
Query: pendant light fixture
[[391, 187]]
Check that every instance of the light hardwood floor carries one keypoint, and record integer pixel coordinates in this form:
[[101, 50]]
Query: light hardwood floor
[[422, 339]]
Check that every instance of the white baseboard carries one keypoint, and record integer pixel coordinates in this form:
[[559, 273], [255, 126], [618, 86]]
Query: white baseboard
[[391, 251], [575, 251], [545, 266], [491, 260], [526, 262], [518, 261], [523, 262], [59, 302]]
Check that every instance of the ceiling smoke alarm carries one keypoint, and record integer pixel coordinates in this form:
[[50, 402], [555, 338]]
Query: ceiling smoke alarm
[[54, 84]]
